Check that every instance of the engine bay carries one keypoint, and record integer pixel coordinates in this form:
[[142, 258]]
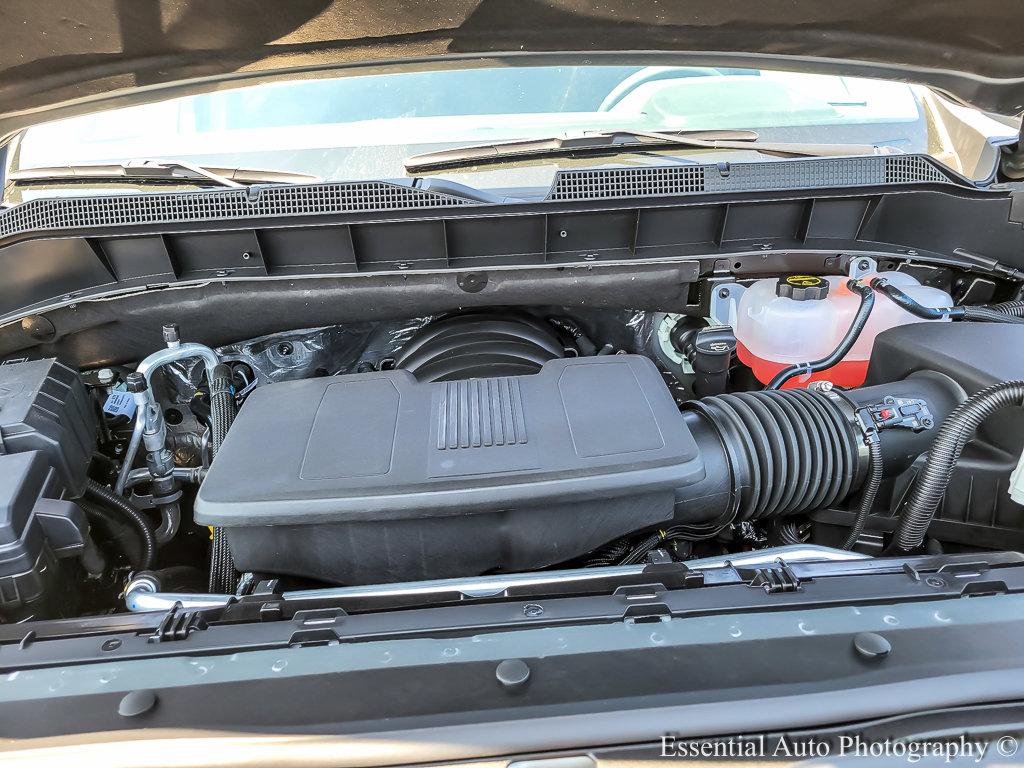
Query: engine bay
[[834, 411]]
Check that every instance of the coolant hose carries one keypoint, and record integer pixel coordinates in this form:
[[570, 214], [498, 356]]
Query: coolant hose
[[108, 498], [222, 414], [867, 303], [868, 494], [979, 314], [930, 485]]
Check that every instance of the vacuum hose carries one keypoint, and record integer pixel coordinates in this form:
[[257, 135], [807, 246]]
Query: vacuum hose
[[930, 485], [222, 414]]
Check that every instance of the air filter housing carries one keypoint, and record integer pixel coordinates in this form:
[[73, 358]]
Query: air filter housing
[[380, 477]]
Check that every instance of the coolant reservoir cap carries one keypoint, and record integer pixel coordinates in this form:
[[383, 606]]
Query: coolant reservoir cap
[[802, 287]]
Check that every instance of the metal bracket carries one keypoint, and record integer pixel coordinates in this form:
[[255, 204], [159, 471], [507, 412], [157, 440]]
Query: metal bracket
[[723, 307], [860, 266]]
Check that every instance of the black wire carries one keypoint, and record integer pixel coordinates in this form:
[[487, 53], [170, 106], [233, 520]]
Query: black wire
[[867, 497], [867, 303]]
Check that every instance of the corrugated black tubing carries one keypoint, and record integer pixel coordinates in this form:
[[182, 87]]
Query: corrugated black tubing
[[867, 303], [1010, 307], [222, 414], [789, 451], [868, 493], [930, 485], [107, 498], [990, 315]]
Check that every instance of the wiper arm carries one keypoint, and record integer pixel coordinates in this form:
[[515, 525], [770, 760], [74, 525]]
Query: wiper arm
[[158, 170], [604, 141]]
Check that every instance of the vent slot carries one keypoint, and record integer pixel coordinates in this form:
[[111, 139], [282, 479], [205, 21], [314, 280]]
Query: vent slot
[[628, 182], [304, 200], [909, 169]]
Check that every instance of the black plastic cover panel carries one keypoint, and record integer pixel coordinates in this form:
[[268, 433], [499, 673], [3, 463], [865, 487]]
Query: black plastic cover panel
[[383, 446], [44, 407]]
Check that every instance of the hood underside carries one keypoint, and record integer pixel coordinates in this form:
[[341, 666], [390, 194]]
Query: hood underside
[[61, 59]]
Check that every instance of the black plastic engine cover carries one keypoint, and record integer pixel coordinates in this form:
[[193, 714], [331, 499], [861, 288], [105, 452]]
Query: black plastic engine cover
[[377, 477]]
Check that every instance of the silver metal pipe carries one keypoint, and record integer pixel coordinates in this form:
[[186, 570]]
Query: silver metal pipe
[[142, 593], [147, 368]]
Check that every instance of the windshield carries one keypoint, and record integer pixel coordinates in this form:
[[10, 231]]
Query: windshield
[[364, 126]]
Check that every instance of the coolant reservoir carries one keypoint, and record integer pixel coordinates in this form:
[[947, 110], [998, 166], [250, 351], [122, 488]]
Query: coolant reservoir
[[802, 318]]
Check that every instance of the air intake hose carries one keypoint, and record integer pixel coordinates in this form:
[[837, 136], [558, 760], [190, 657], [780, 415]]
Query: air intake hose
[[774, 453]]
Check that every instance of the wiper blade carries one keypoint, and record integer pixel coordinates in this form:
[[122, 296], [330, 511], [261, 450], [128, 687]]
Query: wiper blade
[[605, 141], [158, 170]]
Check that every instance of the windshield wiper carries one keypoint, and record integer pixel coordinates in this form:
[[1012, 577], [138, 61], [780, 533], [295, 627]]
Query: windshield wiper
[[628, 140], [158, 170]]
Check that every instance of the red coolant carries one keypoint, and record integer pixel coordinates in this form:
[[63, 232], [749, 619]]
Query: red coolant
[[802, 318]]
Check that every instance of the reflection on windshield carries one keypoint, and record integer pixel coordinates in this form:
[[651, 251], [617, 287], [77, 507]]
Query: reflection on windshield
[[360, 127]]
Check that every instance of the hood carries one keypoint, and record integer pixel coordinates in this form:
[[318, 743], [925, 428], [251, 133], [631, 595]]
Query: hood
[[62, 58]]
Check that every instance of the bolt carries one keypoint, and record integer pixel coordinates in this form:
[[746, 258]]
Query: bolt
[[863, 265], [172, 335], [821, 386], [105, 376], [532, 610], [723, 293], [927, 423], [285, 348]]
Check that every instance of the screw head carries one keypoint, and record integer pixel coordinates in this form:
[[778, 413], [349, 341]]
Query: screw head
[[723, 293], [246, 256], [863, 264], [533, 610]]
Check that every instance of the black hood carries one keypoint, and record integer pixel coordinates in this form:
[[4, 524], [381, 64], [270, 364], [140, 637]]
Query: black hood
[[61, 58]]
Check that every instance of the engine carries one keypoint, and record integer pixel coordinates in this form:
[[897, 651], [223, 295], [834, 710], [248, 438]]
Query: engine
[[508, 440]]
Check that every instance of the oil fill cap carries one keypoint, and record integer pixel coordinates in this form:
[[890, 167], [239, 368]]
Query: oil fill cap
[[802, 287]]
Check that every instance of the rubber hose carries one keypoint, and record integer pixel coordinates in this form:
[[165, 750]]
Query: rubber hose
[[868, 494], [222, 414], [788, 451], [930, 485], [867, 303], [902, 300], [125, 536], [990, 315], [108, 498], [998, 313]]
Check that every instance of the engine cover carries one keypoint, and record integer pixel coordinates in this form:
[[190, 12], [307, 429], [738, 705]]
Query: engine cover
[[378, 477]]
